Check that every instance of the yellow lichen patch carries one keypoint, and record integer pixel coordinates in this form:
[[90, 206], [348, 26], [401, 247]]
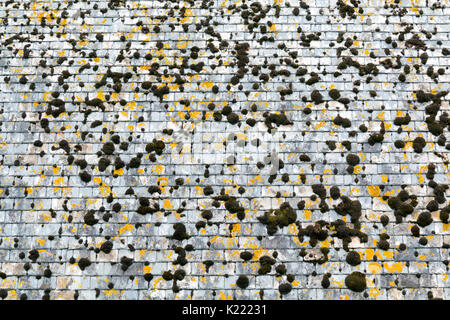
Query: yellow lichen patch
[[207, 85], [223, 296], [112, 292], [118, 172], [167, 204], [375, 292], [125, 228], [374, 268], [319, 125], [394, 267], [307, 214], [374, 191]]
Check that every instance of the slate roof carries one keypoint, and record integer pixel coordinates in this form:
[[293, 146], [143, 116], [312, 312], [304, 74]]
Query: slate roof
[[224, 149]]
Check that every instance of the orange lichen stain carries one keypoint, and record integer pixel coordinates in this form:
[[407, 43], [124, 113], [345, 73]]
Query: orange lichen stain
[[236, 229], [307, 214], [325, 244], [41, 241], [167, 204], [223, 296], [420, 176], [112, 292], [384, 178], [125, 228], [446, 227], [45, 251], [319, 125], [395, 267], [374, 191], [46, 96], [375, 292], [344, 297], [273, 28], [47, 217], [207, 85], [422, 257], [118, 172], [374, 267], [388, 254], [369, 253]]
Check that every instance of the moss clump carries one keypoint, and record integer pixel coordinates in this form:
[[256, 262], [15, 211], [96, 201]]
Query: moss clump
[[89, 218], [83, 263], [423, 241], [156, 146], [424, 219], [353, 258], [208, 190], [356, 281], [320, 190], [246, 255], [285, 288], [207, 214], [125, 263], [278, 218], [335, 193], [179, 274], [266, 263], [383, 244], [33, 255], [399, 144], [103, 163], [108, 148], [106, 247], [180, 232], [384, 220], [415, 231], [418, 144], [334, 94], [340, 121], [315, 232], [316, 96], [433, 205], [233, 206], [242, 282], [85, 177], [444, 214], [116, 207], [352, 159], [148, 277], [233, 118], [167, 275], [352, 207], [326, 281]]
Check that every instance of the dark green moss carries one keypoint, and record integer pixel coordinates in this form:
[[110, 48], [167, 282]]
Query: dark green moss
[[424, 219], [285, 288], [356, 281], [242, 282], [353, 258], [246, 255]]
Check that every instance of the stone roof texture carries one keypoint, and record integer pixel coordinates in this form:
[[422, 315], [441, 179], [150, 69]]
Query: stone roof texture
[[223, 149]]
